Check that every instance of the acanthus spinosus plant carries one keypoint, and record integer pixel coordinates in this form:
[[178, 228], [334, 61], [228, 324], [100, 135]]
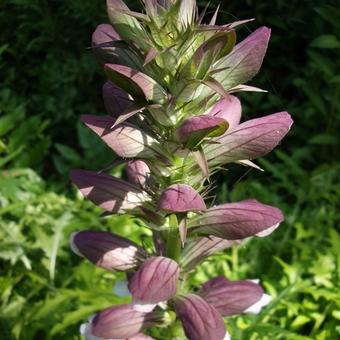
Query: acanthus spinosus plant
[[174, 119]]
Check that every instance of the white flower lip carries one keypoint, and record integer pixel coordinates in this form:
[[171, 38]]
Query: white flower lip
[[256, 307], [85, 331], [143, 307], [267, 231], [257, 281], [227, 336], [73, 246]]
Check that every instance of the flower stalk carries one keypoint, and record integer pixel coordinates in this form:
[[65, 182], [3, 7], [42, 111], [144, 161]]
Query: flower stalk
[[174, 119]]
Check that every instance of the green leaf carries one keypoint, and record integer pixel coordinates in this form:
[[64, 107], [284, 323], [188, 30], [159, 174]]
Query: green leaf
[[59, 226], [300, 320], [9, 121], [326, 41]]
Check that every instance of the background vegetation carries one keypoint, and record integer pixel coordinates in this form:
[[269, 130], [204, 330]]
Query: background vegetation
[[48, 78]]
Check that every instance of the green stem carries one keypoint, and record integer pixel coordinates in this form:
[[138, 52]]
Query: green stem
[[173, 245], [176, 331]]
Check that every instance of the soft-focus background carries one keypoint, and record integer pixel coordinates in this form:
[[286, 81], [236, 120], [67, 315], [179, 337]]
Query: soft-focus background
[[49, 77]]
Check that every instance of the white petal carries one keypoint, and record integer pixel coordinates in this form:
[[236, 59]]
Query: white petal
[[256, 307], [163, 305], [140, 306], [267, 231], [121, 289], [227, 336], [85, 331], [73, 246], [249, 163], [82, 328], [257, 281]]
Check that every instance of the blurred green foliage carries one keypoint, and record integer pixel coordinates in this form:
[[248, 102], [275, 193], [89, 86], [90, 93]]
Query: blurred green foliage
[[49, 77]]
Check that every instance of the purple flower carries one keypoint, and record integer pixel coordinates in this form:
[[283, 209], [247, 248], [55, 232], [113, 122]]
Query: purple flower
[[229, 109], [235, 221], [234, 297], [121, 322], [116, 101], [172, 77], [138, 84], [103, 39], [194, 129], [126, 140], [138, 172], [155, 281], [112, 194], [181, 198], [244, 61], [249, 140], [200, 320], [107, 250]]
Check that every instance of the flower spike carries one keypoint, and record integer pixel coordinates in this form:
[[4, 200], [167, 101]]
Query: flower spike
[[174, 120]]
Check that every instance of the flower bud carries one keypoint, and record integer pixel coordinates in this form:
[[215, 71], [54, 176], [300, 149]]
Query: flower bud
[[194, 129], [249, 140], [244, 61], [107, 250], [181, 198], [234, 297], [138, 84], [200, 320], [228, 109], [126, 140], [155, 281], [121, 322], [235, 221], [138, 172], [112, 194], [116, 101]]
